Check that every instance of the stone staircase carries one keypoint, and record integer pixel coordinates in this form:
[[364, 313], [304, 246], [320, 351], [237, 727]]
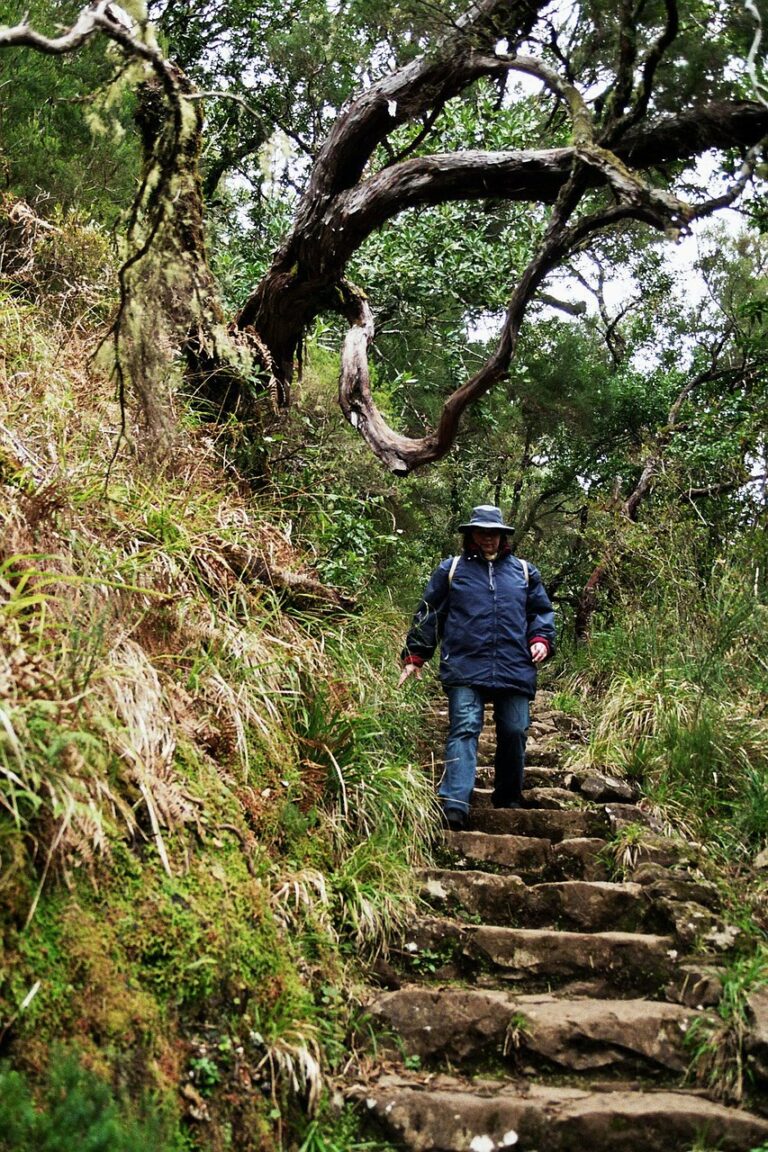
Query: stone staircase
[[543, 1003]]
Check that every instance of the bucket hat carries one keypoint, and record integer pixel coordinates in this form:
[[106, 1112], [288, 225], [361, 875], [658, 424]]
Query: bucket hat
[[486, 516]]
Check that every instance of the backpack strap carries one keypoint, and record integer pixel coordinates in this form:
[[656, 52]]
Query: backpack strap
[[525, 570], [452, 569]]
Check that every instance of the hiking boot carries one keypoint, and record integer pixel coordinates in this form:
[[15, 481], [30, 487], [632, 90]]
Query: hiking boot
[[455, 821]]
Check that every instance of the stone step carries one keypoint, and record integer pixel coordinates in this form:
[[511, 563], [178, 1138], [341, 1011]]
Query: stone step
[[547, 797], [527, 856], [532, 858], [537, 752], [536, 776], [593, 963], [581, 858], [467, 1026], [445, 1114], [541, 823], [576, 905], [592, 786], [608, 962]]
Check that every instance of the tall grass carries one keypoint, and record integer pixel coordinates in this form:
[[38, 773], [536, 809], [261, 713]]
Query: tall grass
[[213, 784], [676, 678]]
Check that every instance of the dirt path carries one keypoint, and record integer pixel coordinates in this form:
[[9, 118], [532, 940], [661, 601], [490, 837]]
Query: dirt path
[[552, 1000]]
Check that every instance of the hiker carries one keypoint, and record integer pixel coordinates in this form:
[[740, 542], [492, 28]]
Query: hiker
[[494, 621]]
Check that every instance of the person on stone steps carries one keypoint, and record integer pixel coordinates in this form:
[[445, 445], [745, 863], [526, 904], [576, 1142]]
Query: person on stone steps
[[494, 622]]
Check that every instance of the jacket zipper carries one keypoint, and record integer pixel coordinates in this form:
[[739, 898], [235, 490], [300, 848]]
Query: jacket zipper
[[492, 587]]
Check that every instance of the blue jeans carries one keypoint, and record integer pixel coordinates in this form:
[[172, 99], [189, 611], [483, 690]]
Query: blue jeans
[[466, 709]]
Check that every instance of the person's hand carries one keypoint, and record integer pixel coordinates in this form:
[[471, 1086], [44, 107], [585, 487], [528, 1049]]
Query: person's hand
[[409, 670], [539, 652]]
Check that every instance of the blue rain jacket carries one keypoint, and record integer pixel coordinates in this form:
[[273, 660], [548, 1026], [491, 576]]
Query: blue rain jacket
[[484, 623]]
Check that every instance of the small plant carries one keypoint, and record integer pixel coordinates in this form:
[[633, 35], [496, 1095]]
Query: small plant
[[517, 1029], [568, 703], [718, 1048], [624, 850], [205, 1073], [339, 1133], [428, 961]]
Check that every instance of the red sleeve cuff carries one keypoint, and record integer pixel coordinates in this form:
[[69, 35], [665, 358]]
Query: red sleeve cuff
[[414, 659], [540, 640]]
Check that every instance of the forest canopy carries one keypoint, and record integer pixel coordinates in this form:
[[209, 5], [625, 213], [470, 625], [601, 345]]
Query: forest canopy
[[431, 168]]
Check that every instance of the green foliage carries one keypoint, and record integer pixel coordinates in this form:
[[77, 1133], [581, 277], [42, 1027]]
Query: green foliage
[[75, 1108], [226, 785], [623, 851], [682, 673], [718, 1057], [339, 1133], [65, 137], [225, 777]]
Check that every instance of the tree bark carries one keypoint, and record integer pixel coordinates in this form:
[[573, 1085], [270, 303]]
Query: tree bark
[[341, 209]]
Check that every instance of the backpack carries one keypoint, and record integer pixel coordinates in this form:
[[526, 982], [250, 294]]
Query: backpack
[[455, 562]]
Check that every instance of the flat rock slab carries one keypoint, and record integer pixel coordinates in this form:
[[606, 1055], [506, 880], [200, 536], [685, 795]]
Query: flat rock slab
[[442, 1116], [464, 1025], [584, 1035], [598, 787], [630, 960], [586, 906], [757, 1041], [537, 752], [545, 796], [528, 856], [536, 775], [581, 858], [498, 899], [539, 822]]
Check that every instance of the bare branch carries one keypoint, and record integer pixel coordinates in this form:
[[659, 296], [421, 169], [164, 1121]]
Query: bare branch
[[569, 307], [622, 88], [419, 138], [581, 118], [616, 130], [102, 16], [758, 87], [24, 36], [235, 98], [725, 486], [732, 194]]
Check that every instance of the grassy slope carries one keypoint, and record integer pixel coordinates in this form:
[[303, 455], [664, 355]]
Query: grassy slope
[[207, 813], [208, 817]]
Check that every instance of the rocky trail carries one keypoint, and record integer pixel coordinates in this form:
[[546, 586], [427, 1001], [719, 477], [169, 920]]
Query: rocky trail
[[554, 994]]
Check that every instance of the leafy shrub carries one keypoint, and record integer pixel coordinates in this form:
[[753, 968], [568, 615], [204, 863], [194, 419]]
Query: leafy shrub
[[77, 1110]]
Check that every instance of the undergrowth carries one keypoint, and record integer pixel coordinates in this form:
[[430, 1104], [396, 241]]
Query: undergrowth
[[209, 814], [76, 1109], [674, 682]]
